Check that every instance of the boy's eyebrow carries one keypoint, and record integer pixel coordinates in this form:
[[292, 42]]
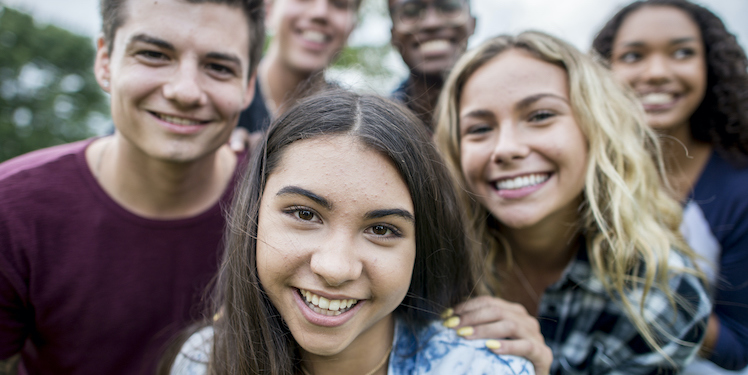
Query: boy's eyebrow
[[295, 190], [391, 212], [145, 38]]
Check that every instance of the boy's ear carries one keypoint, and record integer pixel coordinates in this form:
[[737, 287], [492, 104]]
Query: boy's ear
[[102, 64], [250, 93]]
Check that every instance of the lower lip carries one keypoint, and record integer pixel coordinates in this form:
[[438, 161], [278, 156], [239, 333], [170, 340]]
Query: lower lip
[[522, 192], [179, 129], [324, 320]]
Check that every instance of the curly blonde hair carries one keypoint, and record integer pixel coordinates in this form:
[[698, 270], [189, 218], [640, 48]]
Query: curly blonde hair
[[627, 216]]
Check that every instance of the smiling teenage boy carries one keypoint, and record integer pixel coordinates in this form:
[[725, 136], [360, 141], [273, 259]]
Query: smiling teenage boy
[[430, 36], [106, 245], [307, 37]]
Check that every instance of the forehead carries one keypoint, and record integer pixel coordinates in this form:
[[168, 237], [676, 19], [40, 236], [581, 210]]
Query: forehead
[[512, 76], [208, 26], [342, 169], [652, 22]]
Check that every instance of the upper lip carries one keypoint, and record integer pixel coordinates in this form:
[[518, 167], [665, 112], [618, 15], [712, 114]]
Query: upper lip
[[186, 117], [330, 296]]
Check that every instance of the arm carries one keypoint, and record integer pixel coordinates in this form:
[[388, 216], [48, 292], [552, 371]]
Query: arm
[[517, 332], [727, 342]]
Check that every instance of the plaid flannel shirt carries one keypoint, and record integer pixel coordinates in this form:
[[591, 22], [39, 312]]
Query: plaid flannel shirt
[[590, 333]]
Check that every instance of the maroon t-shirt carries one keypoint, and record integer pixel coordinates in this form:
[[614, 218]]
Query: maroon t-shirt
[[87, 287]]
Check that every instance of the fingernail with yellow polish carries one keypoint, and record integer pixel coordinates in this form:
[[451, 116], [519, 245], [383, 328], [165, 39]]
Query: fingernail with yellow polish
[[465, 331], [447, 313], [452, 322], [493, 344]]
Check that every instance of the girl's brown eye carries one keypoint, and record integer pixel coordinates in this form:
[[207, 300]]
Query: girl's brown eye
[[379, 230], [305, 215]]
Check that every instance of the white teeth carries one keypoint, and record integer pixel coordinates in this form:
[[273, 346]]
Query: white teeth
[[522, 181], [314, 36], [334, 305], [656, 98], [322, 305], [437, 45], [177, 120]]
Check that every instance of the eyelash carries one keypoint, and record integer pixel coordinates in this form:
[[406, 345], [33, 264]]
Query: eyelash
[[221, 69], [545, 114], [394, 232], [296, 210], [151, 55]]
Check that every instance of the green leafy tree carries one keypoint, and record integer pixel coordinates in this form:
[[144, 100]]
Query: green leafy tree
[[48, 94]]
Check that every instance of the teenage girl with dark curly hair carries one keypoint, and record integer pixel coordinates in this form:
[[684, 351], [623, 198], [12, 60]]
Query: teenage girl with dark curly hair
[[690, 75]]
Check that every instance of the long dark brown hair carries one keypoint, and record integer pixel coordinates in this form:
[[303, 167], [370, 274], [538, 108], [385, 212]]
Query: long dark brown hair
[[250, 336], [722, 117]]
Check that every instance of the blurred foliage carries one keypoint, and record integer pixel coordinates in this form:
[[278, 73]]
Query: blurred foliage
[[48, 93], [366, 58]]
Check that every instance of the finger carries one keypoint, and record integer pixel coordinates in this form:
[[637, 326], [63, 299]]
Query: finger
[[486, 302], [505, 329], [539, 354], [238, 139], [497, 312], [477, 303]]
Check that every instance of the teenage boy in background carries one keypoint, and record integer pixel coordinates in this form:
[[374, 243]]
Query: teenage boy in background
[[107, 245], [430, 36], [307, 36]]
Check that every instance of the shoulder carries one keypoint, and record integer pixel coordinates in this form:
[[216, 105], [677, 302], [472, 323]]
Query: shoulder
[[194, 355], [400, 94], [722, 186], [437, 350], [43, 159], [43, 178]]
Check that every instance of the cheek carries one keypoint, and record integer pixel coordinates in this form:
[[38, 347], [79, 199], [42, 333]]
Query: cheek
[[623, 74], [275, 251], [472, 160], [397, 282]]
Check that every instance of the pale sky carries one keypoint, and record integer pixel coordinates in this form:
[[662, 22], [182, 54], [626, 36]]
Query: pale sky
[[576, 21]]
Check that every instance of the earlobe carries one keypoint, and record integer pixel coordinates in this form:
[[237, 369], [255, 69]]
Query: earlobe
[[101, 65]]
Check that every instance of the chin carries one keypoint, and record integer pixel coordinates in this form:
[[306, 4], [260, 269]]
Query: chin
[[314, 346]]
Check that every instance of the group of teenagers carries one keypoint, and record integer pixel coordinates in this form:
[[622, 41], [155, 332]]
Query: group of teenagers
[[518, 208]]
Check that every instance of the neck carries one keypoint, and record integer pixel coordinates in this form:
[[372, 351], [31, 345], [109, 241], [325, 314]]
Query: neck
[[544, 249], [540, 254], [685, 159], [282, 82], [423, 92], [159, 189], [362, 356]]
